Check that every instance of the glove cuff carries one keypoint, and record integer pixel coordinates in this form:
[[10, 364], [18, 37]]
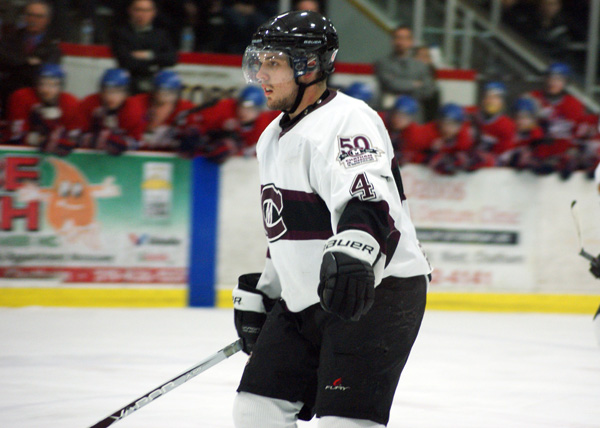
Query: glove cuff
[[248, 301], [354, 243]]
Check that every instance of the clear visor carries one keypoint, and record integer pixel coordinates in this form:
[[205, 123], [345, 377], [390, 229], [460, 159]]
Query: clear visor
[[269, 67]]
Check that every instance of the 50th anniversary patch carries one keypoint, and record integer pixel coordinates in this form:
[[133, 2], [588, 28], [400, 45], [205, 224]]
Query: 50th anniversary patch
[[356, 150]]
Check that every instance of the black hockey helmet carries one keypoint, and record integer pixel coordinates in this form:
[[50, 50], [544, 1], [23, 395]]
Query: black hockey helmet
[[308, 39]]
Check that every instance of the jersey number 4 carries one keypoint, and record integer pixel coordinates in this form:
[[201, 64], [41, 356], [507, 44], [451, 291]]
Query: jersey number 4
[[362, 188]]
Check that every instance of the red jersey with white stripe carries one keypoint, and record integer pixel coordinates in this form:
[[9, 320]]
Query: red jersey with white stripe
[[98, 122], [560, 119], [162, 125], [223, 116], [496, 134], [28, 115]]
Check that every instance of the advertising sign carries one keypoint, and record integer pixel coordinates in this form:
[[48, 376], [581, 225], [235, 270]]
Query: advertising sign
[[90, 217], [477, 233]]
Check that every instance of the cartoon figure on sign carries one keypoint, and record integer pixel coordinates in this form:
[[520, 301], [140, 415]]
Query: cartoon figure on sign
[[71, 202]]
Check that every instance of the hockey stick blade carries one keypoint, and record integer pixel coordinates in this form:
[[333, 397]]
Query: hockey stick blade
[[582, 252], [170, 385]]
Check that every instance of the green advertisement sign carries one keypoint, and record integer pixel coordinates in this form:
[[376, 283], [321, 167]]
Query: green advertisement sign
[[92, 217]]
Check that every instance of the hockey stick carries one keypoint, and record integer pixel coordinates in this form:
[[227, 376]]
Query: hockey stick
[[182, 116], [140, 402], [582, 252]]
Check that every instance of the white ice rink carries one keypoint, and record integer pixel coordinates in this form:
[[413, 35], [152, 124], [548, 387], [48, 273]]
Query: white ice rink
[[72, 367]]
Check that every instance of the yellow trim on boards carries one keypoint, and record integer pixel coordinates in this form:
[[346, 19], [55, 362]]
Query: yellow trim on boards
[[177, 298], [491, 302], [94, 297]]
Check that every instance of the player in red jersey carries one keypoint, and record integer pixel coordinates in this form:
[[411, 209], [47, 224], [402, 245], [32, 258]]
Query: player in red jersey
[[495, 131], [529, 135], [406, 134], [110, 120], [448, 140], [589, 137], [560, 116], [166, 114], [45, 116], [234, 125]]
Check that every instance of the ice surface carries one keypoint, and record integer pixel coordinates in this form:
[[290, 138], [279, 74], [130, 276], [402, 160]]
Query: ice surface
[[72, 367]]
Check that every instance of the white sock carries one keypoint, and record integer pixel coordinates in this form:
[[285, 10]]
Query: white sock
[[337, 422], [256, 411]]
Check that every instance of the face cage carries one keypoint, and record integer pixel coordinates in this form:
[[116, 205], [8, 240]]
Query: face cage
[[255, 57]]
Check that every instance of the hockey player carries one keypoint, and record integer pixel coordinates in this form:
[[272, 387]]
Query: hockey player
[[560, 116], [448, 140], [111, 121], [495, 131], [406, 134], [529, 135], [343, 288], [166, 114], [233, 125], [45, 116]]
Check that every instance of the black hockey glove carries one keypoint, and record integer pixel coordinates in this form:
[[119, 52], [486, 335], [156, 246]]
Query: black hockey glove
[[595, 267], [250, 307], [347, 286]]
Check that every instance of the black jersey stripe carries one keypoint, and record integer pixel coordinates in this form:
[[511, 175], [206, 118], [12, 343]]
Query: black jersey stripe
[[305, 216], [375, 219]]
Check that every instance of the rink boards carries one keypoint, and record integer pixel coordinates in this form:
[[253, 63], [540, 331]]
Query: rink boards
[[498, 240]]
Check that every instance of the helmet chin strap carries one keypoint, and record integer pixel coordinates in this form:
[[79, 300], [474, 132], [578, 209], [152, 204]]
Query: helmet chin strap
[[301, 89]]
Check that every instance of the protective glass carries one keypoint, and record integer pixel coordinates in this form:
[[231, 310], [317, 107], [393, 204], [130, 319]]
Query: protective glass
[[264, 66]]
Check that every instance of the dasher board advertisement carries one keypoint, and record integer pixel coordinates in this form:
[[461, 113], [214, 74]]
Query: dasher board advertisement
[[91, 217]]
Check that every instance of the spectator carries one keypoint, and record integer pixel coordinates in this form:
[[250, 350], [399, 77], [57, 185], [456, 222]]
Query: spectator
[[401, 74], [168, 122], [242, 18], [23, 50], [234, 125], [141, 48], [560, 116], [430, 104], [110, 120], [549, 30], [45, 116], [495, 130]]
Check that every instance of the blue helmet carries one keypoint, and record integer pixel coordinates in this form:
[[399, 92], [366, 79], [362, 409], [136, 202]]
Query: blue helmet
[[167, 80], [498, 87], [406, 104], [252, 96], [525, 104], [50, 70], [115, 77], [359, 90], [452, 112], [559, 68]]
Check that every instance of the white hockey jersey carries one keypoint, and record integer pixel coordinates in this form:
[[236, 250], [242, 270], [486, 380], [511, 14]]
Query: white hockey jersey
[[328, 171]]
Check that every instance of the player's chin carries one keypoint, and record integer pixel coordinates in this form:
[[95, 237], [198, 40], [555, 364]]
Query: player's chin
[[273, 103]]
